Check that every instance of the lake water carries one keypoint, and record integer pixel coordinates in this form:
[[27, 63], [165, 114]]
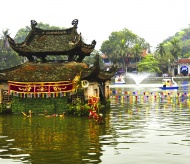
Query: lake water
[[144, 125]]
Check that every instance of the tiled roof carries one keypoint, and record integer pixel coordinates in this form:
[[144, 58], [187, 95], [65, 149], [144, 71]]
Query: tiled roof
[[54, 72], [183, 60], [42, 72], [41, 42]]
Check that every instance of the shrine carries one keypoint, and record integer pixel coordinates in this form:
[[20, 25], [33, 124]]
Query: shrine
[[43, 85]]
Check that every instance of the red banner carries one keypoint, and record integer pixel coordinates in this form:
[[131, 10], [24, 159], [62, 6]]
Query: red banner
[[40, 87]]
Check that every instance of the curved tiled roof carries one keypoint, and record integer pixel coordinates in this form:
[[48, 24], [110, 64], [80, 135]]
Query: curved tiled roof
[[41, 43], [54, 72], [42, 72], [96, 74], [48, 41]]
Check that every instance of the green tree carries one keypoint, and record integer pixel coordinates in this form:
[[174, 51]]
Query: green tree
[[8, 58], [185, 50], [136, 52], [4, 40], [161, 53], [22, 34], [121, 52], [149, 64], [161, 49], [119, 45], [175, 49]]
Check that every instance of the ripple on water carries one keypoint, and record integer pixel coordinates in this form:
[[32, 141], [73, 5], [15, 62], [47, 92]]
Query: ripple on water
[[3, 150], [10, 140], [19, 155], [3, 137], [106, 139]]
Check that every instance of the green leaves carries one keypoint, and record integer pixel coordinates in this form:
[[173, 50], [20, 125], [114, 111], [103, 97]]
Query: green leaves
[[175, 49], [120, 45], [161, 49], [148, 64], [8, 58]]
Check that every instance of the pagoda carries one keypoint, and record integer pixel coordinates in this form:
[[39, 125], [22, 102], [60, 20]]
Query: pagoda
[[41, 43], [52, 84]]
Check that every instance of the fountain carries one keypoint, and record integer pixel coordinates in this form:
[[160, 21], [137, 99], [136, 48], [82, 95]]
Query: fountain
[[138, 77]]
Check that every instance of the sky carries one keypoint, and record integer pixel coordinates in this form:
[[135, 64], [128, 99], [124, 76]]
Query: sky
[[153, 20]]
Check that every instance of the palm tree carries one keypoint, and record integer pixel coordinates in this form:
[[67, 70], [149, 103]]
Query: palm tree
[[121, 50], [136, 52], [161, 49], [176, 49]]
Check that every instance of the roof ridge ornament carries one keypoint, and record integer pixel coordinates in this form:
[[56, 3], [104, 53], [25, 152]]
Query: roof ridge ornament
[[75, 22], [93, 43], [33, 24]]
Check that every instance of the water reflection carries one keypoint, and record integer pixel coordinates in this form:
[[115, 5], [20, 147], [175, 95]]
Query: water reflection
[[151, 128], [145, 126], [49, 140]]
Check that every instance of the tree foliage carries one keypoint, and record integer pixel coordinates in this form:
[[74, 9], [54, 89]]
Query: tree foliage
[[176, 49], [136, 51], [149, 64], [161, 49], [120, 45], [8, 58], [167, 52], [182, 38]]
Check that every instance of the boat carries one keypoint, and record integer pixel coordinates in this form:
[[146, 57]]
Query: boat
[[119, 80], [169, 88], [169, 84]]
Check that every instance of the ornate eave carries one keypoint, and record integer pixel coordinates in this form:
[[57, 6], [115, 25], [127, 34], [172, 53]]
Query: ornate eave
[[41, 43], [96, 74], [88, 48], [90, 74], [105, 75]]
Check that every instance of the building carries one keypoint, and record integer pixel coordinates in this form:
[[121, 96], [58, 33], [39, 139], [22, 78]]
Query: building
[[50, 85], [180, 67]]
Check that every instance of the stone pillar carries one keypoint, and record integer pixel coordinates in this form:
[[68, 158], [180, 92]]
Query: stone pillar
[[178, 69]]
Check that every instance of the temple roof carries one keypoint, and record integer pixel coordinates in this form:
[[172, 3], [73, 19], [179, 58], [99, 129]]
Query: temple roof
[[106, 75], [42, 72], [41, 42], [54, 72], [183, 61], [96, 74]]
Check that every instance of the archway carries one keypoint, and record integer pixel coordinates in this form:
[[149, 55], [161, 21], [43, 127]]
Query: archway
[[184, 70]]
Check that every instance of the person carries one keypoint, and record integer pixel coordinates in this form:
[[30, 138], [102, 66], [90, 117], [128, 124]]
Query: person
[[168, 83], [164, 84]]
